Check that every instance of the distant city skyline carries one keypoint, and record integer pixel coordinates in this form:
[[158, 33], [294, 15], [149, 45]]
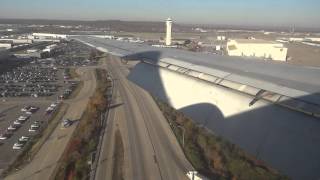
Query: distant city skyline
[[298, 13]]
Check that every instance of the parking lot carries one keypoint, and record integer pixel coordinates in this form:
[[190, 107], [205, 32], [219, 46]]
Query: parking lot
[[30, 80], [9, 114], [76, 54], [59, 87], [36, 86]]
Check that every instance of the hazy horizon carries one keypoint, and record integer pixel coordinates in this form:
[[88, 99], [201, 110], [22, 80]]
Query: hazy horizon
[[281, 13]]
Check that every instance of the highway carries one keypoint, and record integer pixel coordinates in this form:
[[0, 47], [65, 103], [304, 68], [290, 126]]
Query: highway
[[151, 150]]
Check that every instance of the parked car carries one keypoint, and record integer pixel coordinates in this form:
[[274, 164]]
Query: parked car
[[24, 138], [4, 136], [12, 128], [35, 125], [18, 145], [26, 108], [49, 110], [33, 129], [53, 105], [34, 109], [36, 122], [17, 122], [29, 112], [23, 118]]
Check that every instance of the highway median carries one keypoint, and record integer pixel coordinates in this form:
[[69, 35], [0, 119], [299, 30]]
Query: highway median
[[78, 157]]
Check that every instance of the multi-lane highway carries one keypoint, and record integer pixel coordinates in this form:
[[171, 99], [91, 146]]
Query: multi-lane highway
[[151, 150]]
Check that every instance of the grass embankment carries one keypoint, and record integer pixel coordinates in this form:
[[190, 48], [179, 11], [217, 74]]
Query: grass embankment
[[72, 72], [36, 142], [74, 161], [74, 76], [213, 156], [76, 90]]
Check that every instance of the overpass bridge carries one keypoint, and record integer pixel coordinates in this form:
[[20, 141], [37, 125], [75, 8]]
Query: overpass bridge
[[270, 109]]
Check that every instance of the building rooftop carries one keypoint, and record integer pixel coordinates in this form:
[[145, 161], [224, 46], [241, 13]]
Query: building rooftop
[[255, 41]]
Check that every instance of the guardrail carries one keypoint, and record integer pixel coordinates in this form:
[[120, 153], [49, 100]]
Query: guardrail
[[103, 119]]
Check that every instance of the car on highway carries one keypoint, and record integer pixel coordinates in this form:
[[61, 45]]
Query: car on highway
[[24, 138], [33, 129]]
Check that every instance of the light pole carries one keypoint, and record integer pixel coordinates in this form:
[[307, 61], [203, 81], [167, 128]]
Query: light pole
[[183, 131]]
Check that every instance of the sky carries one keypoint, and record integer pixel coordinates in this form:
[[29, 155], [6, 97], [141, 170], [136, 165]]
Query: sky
[[298, 13]]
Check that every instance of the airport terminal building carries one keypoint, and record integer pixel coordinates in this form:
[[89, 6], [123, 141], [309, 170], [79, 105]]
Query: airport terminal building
[[257, 48]]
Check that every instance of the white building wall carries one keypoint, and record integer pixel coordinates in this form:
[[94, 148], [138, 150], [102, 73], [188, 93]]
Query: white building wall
[[54, 36], [274, 51], [221, 38], [313, 39], [5, 45], [296, 39]]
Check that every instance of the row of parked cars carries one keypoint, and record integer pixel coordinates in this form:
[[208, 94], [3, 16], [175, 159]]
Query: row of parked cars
[[28, 111], [52, 107], [76, 54], [24, 139], [28, 89], [30, 80], [30, 73]]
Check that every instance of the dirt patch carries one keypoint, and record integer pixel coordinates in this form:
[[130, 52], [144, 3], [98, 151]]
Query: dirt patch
[[301, 54], [73, 73], [77, 90]]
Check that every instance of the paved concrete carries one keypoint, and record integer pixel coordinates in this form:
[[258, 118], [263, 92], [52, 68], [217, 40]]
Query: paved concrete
[[45, 161], [151, 150]]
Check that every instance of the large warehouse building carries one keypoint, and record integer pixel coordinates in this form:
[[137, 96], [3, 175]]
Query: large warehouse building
[[257, 48], [48, 36]]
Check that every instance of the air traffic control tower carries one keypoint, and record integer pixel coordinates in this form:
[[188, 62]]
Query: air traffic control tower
[[168, 33]]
